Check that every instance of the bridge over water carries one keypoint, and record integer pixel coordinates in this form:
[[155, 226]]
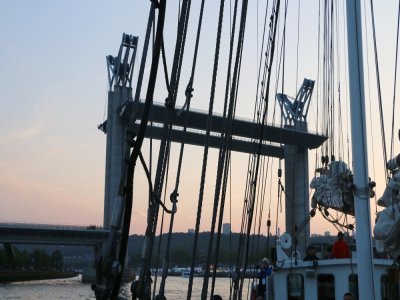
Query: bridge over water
[[25, 233]]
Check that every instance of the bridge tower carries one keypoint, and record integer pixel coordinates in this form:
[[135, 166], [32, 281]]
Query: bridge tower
[[296, 167], [120, 70], [125, 113]]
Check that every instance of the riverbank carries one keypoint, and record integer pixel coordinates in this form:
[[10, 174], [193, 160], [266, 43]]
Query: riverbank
[[18, 275]]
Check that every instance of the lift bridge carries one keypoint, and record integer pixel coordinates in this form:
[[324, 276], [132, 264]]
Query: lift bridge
[[289, 142]]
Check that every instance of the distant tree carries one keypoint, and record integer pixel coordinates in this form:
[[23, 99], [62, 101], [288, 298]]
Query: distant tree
[[57, 260], [134, 260], [180, 257], [23, 259], [3, 259], [40, 259]]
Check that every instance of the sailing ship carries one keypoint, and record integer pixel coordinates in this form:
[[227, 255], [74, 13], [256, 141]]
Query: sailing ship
[[130, 120]]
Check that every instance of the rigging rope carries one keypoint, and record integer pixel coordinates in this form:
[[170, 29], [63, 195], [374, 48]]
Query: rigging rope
[[370, 106], [188, 93], [298, 42], [205, 154], [340, 119], [161, 233], [115, 285], [378, 82], [224, 152], [395, 83], [164, 147], [144, 53], [273, 29], [258, 107], [223, 157]]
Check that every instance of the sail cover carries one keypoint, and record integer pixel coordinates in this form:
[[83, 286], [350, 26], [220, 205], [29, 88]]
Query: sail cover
[[387, 227], [332, 188]]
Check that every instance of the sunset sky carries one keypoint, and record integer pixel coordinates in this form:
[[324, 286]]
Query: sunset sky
[[53, 91]]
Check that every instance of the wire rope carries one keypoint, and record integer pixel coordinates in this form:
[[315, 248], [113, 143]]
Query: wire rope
[[395, 83], [206, 147], [164, 146], [378, 82], [175, 193], [370, 102], [222, 160], [271, 57], [298, 42], [138, 144]]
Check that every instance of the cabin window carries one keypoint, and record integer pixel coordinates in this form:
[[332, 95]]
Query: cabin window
[[353, 285], [390, 287], [295, 287], [326, 287]]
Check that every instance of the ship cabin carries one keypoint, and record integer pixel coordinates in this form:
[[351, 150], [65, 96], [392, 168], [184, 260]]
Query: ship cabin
[[329, 279]]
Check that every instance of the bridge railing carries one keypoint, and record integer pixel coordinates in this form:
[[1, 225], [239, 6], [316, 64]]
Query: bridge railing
[[51, 226]]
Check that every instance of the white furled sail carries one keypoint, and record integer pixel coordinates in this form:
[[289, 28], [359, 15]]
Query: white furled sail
[[332, 188], [387, 227]]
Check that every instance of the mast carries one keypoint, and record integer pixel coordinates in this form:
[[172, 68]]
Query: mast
[[359, 152]]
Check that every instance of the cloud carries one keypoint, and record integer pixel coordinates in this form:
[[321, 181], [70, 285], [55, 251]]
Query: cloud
[[23, 134], [34, 201]]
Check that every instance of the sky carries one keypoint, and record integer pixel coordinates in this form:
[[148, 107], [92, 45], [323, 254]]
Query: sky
[[53, 92]]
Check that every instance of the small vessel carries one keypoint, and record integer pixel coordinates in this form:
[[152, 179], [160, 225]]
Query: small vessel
[[185, 274]]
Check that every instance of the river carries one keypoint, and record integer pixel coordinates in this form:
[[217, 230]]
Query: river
[[72, 288]]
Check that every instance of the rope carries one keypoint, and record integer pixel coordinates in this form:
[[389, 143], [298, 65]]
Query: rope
[[137, 147], [231, 114], [223, 158], [164, 147], [378, 82], [340, 120], [346, 86], [175, 193], [164, 60], [394, 84], [205, 154], [370, 106], [161, 233], [220, 219], [258, 106], [271, 57], [144, 54], [298, 42]]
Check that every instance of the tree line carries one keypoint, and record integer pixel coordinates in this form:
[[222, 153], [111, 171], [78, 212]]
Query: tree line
[[37, 259], [182, 247]]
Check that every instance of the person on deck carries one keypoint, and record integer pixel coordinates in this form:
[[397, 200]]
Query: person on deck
[[311, 254], [328, 252], [348, 296], [340, 248], [265, 270]]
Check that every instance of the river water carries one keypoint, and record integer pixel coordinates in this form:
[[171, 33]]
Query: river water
[[72, 288]]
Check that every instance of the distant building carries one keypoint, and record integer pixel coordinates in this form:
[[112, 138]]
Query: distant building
[[327, 233], [226, 228], [191, 231]]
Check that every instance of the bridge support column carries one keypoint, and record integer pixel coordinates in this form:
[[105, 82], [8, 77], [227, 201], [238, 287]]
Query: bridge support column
[[116, 145], [10, 255], [296, 187]]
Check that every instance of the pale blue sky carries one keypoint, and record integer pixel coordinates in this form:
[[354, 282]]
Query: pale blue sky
[[53, 89]]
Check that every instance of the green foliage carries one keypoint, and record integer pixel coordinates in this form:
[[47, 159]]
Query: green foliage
[[57, 260], [3, 259], [38, 259], [182, 247]]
